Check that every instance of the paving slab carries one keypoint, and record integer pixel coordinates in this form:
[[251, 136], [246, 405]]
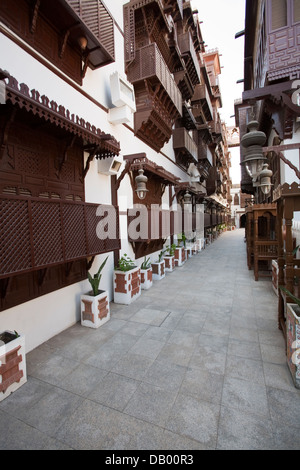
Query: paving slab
[[195, 363]]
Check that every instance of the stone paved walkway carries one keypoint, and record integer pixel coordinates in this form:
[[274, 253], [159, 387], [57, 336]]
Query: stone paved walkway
[[197, 362]]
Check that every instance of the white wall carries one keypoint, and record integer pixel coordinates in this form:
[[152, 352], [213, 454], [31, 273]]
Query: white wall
[[46, 316]]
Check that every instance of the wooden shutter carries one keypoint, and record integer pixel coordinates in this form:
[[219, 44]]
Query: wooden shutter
[[279, 14]]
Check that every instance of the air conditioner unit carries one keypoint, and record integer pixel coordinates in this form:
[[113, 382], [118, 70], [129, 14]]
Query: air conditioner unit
[[122, 92], [123, 98], [110, 166]]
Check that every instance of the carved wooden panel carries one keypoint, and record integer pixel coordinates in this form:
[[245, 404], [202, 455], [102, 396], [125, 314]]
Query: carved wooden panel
[[284, 59], [31, 26], [39, 163]]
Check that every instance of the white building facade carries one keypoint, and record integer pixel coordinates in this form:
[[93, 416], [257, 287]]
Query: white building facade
[[76, 127]]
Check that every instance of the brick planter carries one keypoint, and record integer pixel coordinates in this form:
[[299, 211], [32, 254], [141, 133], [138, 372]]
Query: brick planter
[[293, 343], [12, 364], [169, 263], [158, 270], [95, 310], [275, 271], [188, 252], [127, 285], [146, 278], [180, 257]]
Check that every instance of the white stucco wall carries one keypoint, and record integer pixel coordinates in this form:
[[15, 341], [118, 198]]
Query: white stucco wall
[[44, 317]]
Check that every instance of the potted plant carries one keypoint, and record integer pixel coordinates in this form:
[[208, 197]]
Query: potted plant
[[12, 362], [170, 258], [146, 274], [127, 281], [180, 256], [95, 304], [293, 336], [158, 267]]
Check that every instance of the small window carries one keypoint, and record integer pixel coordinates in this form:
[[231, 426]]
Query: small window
[[279, 13], [296, 11]]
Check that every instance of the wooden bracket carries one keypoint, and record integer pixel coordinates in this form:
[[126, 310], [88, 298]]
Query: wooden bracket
[[92, 154], [5, 132], [34, 17], [89, 263], [69, 144]]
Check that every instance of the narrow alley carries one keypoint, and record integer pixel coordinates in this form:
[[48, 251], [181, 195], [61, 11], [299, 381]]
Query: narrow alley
[[197, 362]]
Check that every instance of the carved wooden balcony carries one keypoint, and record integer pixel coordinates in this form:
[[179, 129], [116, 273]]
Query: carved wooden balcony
[[201, 103], [174, 7], [188, 79], [185, 147], [212, 181], [39, 233], [158, 99]]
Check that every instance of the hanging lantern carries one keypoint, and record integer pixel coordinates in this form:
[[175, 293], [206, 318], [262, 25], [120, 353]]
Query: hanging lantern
[[187, 198], [141, 180], [253, 142], [265, 179]]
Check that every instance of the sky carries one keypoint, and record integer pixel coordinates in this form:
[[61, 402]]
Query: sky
[[222, 19]]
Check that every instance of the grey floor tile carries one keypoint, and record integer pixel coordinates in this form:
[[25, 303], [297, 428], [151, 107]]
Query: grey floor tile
[[284, 406], [175, 354], [202, 384], [245, 396], [83, 379], [244, 368], [16, 435], [195, 419], [278, 376], [243, 431], [150, 316], [151, 404], [165, 375], [114, 391], [250, 350], [133, 366], [208, 359], [147, 347]]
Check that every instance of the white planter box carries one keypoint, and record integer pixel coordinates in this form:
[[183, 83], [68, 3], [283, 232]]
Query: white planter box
[[201, 243], [275, 271], [12, 365], [293, 343], [188, 252], [169, 263], [127, 286], [146, 278], [180, 256], [95, 310], [158, 270]]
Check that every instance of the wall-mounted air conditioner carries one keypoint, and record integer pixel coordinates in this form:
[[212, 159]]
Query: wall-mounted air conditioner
[[123, 98], [110, 166]]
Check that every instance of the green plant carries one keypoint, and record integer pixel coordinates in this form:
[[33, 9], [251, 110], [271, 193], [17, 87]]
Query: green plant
[[95, 280], [181, 238], [171, 249], [125, 263], [146, 263], [161, 254], [292, 296]]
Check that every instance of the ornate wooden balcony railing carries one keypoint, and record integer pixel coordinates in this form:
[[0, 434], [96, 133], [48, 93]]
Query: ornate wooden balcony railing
[[150, 65], [188, 52], [158, 99], [202, 99], [38, 234], [185, 147]]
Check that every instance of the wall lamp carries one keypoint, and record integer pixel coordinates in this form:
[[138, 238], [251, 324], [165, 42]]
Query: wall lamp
[[255, 161], [141, 181]]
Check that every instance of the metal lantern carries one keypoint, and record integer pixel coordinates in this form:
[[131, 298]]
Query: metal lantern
[[253, 142], [265, 179], [187, 198], [141, 180]]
